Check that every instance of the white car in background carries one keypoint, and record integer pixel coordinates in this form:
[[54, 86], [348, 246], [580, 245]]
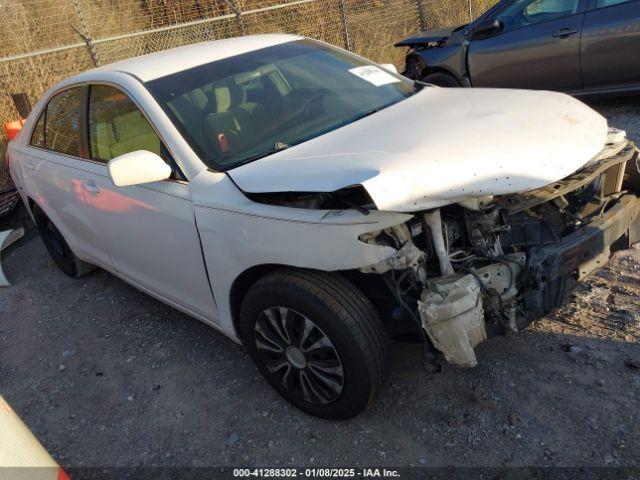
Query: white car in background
[[310, 204]]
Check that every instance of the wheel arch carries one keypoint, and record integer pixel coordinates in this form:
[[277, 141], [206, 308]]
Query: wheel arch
[[241, 286], [446, 60], [428, 70], [384, 304], [31, 203], [32, 206]]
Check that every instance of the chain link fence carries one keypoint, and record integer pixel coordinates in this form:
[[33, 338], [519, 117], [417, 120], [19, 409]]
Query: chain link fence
[[45, 41]]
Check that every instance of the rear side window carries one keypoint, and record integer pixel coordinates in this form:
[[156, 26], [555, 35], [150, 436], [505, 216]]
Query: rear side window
[[37, 138], [116, 126], [609, 3], [523, 13], [62, 125]]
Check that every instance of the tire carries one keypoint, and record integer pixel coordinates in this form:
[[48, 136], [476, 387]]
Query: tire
[[442, 80], [58, 248], [341, 377]]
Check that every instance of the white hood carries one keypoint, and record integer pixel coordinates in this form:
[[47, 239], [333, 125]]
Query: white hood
[[441, 146]]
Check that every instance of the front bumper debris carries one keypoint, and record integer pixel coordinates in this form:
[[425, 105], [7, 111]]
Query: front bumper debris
[[554, 269], [462, 273], [453, 317], [452, 308]]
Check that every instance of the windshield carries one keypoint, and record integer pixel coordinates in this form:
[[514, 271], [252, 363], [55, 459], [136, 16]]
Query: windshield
[[237, 110]]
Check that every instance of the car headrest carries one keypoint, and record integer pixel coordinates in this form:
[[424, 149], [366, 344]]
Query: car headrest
[[229, 96]]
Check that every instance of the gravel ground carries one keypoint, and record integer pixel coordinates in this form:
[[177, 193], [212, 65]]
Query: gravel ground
[[106, 376], [623, 112]]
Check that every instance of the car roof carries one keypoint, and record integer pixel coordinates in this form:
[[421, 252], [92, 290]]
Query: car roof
[[160, 64]]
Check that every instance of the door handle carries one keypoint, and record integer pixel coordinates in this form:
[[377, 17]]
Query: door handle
[[90, 186], [565, 32], [29, 164]]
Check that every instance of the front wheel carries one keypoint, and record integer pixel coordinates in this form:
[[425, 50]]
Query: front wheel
[[317, 340]]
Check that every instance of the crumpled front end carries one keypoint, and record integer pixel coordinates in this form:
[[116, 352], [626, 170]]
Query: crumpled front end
[[491, 265]]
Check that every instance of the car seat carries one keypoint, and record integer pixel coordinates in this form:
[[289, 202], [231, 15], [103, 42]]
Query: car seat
[[235, 124]]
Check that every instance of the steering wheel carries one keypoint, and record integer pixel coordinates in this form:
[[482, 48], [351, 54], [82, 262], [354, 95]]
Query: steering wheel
[[519, 20], [523, 19], [313, 104]]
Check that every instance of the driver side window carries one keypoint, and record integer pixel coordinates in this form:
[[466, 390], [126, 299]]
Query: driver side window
[[528, 12]]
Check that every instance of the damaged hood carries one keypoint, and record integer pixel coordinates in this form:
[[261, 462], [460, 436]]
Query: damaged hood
[[429, 38], [441, 146]]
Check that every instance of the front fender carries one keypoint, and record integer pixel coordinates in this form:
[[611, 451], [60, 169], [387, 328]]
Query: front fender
[[450, 59], [238, 234]]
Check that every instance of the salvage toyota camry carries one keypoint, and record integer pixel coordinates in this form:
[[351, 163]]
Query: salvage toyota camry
[[311, 204]]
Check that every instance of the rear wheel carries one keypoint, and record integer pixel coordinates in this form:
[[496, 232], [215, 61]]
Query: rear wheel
[[442, 80], [58, 248], [317, 340]]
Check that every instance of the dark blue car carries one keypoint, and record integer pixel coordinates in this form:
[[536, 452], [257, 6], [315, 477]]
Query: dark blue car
[[575, 46]]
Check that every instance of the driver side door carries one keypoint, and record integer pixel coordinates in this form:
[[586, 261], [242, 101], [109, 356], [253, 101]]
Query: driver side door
[[537, 48]]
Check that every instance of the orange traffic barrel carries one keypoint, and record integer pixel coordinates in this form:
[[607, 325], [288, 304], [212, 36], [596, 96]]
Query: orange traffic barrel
[[13, 128], [22, 457]]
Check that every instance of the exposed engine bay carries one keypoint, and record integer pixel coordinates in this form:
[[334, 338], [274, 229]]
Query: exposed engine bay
[[492, 265]]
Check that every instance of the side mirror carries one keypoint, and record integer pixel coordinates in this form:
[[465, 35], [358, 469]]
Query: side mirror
[[486, 28], [136, 168], [389, 66]]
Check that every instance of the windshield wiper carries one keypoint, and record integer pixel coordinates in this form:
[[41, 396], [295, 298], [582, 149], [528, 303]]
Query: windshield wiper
[[279, 147], [371, 112], [418, 85]]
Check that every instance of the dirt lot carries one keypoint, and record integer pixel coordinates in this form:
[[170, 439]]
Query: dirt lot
[[107, 376]]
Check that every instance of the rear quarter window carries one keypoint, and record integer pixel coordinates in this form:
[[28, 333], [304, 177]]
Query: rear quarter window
[[62, 125], [37, 137], [610, 3]]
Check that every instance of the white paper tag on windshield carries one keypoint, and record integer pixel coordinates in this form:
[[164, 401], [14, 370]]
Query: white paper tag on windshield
[[374, 75]]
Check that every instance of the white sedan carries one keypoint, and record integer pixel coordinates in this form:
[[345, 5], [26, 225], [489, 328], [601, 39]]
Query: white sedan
[[311, 204]]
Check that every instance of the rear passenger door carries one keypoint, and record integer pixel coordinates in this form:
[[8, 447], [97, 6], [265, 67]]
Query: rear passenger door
[[150, 229], [55, 173], [611, 45]]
